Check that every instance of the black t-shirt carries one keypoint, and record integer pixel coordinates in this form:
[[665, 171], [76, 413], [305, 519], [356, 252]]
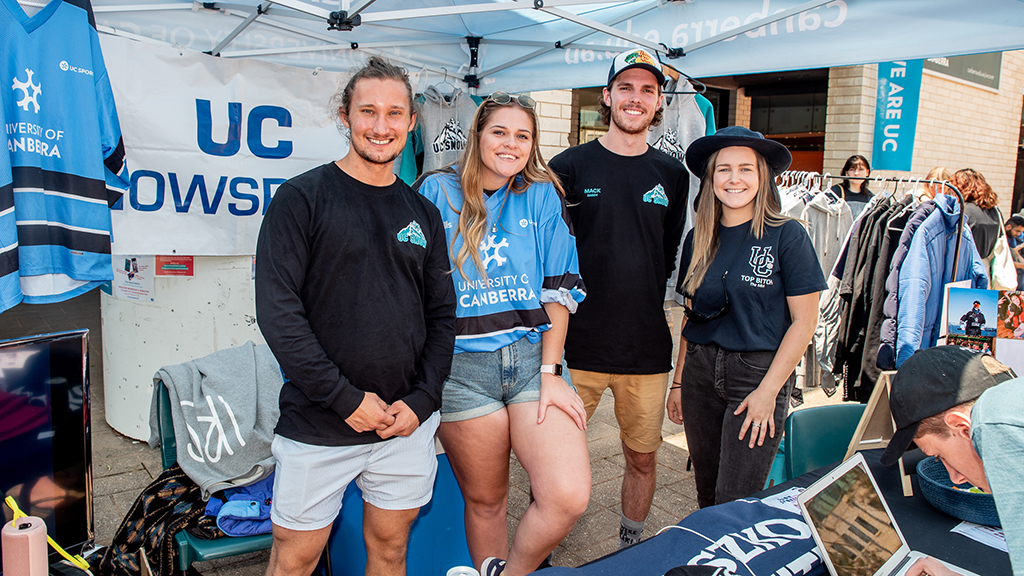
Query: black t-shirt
[[762, 274], [985, 227], [628, 213], [353, 295]]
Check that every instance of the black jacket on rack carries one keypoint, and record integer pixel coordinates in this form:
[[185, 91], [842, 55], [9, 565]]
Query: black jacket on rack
[[863, 290]]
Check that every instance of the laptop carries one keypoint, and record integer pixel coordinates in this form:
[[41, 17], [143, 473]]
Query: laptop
[[853, 527]]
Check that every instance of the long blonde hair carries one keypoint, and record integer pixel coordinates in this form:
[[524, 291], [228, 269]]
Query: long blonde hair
[[473, 215], [767, 212]]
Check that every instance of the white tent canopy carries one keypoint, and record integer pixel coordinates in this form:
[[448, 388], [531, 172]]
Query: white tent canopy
[[549, 44]]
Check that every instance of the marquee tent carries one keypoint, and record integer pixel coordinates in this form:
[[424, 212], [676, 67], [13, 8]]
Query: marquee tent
[[548, 44]]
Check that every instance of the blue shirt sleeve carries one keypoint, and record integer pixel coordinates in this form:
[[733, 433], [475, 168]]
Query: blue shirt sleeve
[[562, 282]]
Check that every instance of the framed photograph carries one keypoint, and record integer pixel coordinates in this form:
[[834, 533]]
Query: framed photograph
[[972, 312], [1011, 315], [979, 343]]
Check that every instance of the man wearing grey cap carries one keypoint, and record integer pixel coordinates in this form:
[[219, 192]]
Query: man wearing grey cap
[[627, 202], [967, 410]]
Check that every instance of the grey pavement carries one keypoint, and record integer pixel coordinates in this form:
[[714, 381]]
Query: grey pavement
[[122, 467]]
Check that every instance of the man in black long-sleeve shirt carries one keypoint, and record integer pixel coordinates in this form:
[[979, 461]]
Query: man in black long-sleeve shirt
[[354, 299]]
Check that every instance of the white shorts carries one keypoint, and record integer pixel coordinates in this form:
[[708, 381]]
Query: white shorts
[[310, 480]]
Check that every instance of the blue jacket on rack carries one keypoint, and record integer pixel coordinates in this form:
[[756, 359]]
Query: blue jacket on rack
[[927, 268]]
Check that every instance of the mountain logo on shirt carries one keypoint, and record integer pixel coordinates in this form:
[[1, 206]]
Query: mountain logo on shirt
[[490, 251], [656, 195], [26, 86], [669, 144], [413, 234], [761, 261], [450, 139]]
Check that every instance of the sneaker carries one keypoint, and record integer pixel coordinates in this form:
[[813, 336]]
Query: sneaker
[[547, 562], [492, 566]]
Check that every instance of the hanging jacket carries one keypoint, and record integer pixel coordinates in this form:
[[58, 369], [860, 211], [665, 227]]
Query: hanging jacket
[[829, 225], [886, 359], [925, 271]]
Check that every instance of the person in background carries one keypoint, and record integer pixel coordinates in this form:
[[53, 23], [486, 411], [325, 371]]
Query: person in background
[[986, 224], [937, 173], [627, 201], [855, 192], [354, 299], [517, 280], [1015, 240], [967, 410], [973, 320], [751, 281]]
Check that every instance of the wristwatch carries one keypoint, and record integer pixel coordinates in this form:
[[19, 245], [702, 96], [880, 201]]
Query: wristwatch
[[555, 369]]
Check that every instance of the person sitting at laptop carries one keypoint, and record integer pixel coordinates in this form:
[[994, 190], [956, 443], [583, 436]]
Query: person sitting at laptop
[[967, 410]]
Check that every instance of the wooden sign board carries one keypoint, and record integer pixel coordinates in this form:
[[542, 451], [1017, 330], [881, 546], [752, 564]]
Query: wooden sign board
[[876, 426]]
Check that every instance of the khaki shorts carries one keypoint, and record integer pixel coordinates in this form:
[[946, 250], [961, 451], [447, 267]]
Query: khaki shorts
[[639, 404]]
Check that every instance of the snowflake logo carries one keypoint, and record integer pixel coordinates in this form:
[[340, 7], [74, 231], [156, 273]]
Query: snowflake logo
[[24, 87], [488, 246]]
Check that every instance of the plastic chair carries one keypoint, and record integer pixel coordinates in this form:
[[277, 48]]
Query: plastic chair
[[189, 548], [819, 436]]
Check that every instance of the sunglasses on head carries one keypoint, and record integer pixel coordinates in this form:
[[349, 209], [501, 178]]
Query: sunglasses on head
[[504, 98]]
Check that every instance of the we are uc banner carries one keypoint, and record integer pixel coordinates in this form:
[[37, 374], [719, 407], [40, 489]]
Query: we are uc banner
[[899, 95]]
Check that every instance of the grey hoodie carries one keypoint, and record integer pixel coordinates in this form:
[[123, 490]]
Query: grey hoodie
[[444, 126], [224, 407], [828, 226]]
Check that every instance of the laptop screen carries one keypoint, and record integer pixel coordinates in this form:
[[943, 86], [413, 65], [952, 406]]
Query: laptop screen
[[853, 525]]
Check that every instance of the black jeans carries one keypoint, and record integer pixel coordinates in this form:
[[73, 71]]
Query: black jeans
[[715, 382]]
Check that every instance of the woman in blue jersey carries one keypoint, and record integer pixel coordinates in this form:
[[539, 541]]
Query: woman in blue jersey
[[517, 280], [751, 279]]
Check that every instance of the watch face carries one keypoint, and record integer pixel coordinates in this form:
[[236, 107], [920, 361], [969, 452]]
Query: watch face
[[555, 369]]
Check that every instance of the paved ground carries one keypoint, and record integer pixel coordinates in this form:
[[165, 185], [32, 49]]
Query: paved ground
[[122, 467]]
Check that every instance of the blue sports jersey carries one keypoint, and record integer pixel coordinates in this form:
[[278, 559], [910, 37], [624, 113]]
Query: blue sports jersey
[[529, 254], [64, 150]]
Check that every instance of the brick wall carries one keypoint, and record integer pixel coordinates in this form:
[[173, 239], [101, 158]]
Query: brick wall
[[554, 111], [959, 125], [850, 114], [739, 108]]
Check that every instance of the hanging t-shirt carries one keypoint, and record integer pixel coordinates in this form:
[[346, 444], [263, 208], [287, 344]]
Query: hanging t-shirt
[[761, 274], [443, 126], [65, 152], [685, 118], [628, 213]]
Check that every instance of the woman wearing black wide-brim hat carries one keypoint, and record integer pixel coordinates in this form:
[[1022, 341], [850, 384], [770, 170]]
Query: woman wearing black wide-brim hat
[[751, 280]]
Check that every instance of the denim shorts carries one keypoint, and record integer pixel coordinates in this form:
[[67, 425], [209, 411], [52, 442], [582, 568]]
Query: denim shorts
[[484, 382]]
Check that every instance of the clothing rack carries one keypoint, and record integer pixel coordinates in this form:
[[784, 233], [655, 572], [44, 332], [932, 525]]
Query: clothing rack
[[915, 181]]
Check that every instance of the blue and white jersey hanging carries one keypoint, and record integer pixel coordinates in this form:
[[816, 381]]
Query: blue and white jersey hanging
[[65, 155]]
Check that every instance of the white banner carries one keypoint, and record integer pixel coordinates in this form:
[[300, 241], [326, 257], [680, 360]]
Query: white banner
[[208, 141]]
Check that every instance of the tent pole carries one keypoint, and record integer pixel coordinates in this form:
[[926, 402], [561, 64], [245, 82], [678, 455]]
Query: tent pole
[[757, 24], [613, 32], [562, 43], [238, 29]]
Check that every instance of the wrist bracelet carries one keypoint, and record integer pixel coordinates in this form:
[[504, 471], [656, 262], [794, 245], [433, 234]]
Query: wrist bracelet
[[676, 386]]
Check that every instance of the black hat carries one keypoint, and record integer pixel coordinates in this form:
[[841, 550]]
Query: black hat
[[638, 58], [932, 381], [775, 154]]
